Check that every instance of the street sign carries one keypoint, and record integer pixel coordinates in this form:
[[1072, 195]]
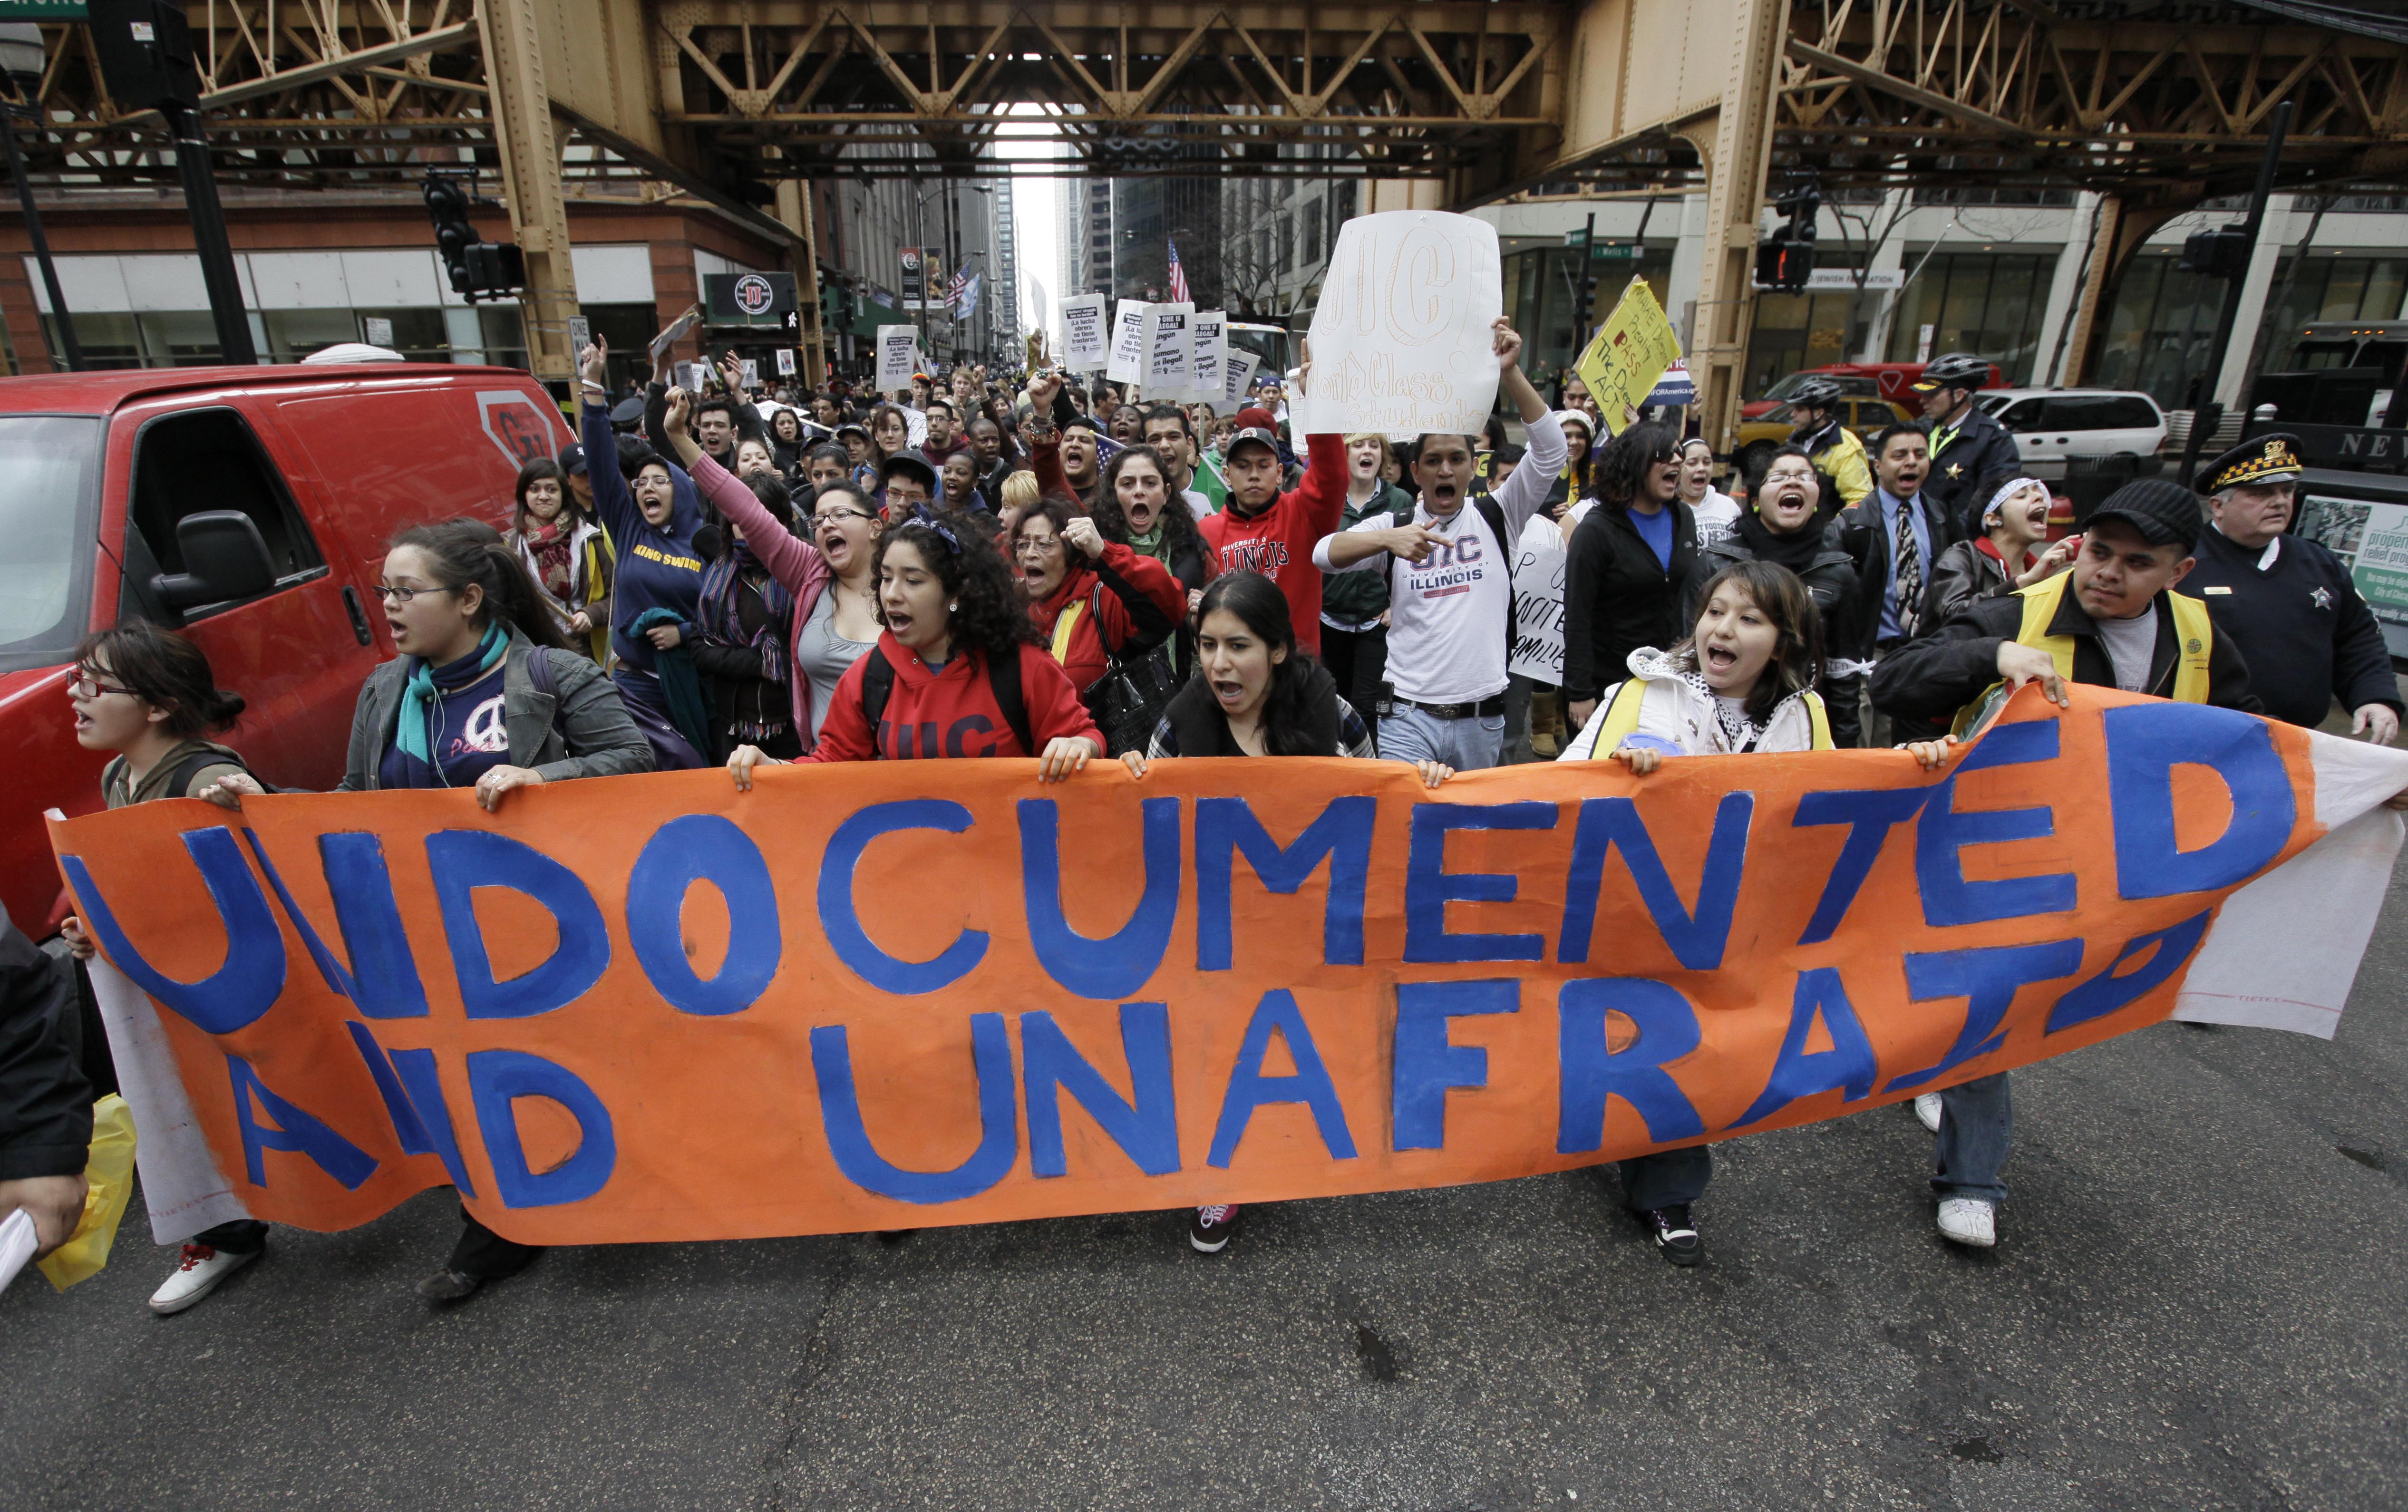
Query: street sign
[[581, 333], [1844, 280]]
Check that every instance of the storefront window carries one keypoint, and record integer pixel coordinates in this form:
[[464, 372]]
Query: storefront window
[[2160, 329], [1990, 304], [1540, 293]]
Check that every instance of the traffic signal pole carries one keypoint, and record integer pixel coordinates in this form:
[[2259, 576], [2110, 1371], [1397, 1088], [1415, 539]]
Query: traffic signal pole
[[2206, 411], [226, 311]]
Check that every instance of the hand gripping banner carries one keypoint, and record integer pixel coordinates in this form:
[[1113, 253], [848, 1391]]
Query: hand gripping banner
[[906, 993]]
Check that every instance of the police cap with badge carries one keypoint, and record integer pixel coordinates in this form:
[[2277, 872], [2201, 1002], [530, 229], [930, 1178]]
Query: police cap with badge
[[2272, 458]]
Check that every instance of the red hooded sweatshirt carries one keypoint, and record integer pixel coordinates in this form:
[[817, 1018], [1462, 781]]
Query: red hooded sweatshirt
[[950, 713], [1141, 604], [1278, 543]]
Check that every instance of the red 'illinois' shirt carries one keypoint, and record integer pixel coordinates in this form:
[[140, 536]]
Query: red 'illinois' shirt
[[949, 713], [1278, 543]]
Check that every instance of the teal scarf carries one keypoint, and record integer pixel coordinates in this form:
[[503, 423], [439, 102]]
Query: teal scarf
[[420, 695]]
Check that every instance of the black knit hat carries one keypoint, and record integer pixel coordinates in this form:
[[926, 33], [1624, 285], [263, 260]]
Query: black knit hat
[[2162, 510]]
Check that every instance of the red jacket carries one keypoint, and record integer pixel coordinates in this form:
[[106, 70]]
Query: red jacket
[[950, 713], [1141, 605], [1278, 543]]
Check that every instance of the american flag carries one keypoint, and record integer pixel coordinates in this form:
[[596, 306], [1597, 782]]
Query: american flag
[[953, 290], [1177, 274]]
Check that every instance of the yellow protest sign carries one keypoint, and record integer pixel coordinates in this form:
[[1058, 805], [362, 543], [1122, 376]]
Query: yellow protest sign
[[1631, 351]]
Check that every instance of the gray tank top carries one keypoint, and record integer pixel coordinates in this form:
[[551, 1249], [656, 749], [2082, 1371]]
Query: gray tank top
[[825, 656]]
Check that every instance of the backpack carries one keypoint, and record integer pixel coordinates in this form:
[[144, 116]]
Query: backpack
[[1002, 680], [1494, 513]]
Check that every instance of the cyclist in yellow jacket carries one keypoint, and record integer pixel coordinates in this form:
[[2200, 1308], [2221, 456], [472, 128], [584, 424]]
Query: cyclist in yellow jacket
[[1830, 446]]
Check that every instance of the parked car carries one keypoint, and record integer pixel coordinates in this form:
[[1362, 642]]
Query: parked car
[[1892, 381], [2051, 425], [1762, 435], [250, 508]]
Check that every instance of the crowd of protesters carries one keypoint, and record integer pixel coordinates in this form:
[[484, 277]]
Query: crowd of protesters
[[1040, 565]]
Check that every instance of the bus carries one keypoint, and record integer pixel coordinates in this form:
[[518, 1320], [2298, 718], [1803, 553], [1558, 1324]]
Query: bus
[[2342, 373]]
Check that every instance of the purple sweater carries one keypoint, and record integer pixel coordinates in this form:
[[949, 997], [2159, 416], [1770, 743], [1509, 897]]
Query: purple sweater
[[792, 560]]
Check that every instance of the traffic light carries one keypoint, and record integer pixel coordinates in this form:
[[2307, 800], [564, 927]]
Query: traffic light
[[1786, 261], [477, 267], [2220, 252]]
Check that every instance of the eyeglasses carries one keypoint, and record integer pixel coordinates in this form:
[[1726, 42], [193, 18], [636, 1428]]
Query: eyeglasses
[[88, 684], [403, 595], [830, 516]]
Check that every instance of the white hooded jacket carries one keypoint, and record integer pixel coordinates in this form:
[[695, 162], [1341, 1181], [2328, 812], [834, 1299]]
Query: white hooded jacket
[[1675, 717]]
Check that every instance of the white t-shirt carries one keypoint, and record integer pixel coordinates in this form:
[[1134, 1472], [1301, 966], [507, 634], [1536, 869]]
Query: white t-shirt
[[2131, 645], [1197, 505], [1446, 616], [1717, 516]]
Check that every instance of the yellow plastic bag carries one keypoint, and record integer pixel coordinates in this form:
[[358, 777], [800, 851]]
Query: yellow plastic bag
[[109, 1175]]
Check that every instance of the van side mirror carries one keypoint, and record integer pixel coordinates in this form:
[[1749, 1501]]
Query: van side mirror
[[224, 558]]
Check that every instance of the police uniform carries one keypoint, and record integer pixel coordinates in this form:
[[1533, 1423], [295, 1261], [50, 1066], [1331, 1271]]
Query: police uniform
[[1969, 450], [2290, 605]]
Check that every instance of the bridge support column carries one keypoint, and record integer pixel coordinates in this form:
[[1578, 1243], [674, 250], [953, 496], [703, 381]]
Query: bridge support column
[[1738, 154], [803, 256], [514, 44]]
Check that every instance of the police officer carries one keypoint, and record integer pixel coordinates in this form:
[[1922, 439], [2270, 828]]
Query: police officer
[[2286, 601], [1832, 446], [1967, 445], [2114, 621]]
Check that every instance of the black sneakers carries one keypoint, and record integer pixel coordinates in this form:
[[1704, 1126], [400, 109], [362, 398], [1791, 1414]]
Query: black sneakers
[[1213, 1225], [1676, 1237]]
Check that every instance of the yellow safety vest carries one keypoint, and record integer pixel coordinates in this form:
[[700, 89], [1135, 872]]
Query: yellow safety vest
[[2194, 642], [1622, 719]]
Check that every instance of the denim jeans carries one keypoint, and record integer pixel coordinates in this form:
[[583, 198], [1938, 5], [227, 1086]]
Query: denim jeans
[[1467, 744], [1668, 1178], [1977, 1124]]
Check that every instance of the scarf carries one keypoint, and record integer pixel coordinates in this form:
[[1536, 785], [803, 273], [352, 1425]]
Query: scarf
[[1742, 732], [554, 564], [1797, 553], [1150, 544], [723, 587], [422, 703]]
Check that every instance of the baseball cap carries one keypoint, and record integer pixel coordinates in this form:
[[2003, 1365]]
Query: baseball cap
[[572, 457], [912, 463], [2162, 510]]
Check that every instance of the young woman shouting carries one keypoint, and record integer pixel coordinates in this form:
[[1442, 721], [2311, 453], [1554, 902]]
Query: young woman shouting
[[1742, 681], [1255, 693], [1094, 601], [956, 672], [466, 705]]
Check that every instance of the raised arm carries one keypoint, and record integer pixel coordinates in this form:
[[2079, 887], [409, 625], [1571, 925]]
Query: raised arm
[[1524, 494], [611, 500], [790, 558]]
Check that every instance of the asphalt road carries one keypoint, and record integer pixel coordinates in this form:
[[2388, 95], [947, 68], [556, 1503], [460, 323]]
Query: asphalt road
[[2200, 1301]]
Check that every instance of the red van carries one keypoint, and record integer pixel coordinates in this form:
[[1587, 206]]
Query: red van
[[250, 508], [1892, 381]]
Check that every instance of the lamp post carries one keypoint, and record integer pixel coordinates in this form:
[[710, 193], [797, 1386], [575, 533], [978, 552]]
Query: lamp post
[[21, 59]]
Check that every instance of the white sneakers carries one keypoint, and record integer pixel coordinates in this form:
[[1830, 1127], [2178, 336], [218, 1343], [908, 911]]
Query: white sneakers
[[1927, 1109], [1969, 1221], [196, 1276]]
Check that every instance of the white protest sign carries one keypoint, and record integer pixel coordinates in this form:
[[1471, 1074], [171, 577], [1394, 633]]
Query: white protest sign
[[898, 356], [1083, 341], [1132, 340], [1538, 651], [1237, 372], [1171, 360], [1401, 342], [752, 372], [786, 362], [1211, 327], [692, 375]]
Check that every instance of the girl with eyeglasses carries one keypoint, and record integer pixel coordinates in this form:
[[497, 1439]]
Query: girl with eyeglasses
[[150, 696], [486, 696], [822, 579]]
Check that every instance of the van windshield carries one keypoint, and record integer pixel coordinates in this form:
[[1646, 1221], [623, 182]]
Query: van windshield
[[48, 516]]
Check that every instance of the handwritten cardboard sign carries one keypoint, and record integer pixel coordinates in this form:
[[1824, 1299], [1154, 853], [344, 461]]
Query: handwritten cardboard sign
[[1402, 339]]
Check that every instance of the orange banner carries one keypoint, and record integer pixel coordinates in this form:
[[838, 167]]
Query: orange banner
[[899, 995]]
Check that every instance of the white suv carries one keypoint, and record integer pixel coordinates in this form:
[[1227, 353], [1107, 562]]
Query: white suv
[[2051, 425]]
